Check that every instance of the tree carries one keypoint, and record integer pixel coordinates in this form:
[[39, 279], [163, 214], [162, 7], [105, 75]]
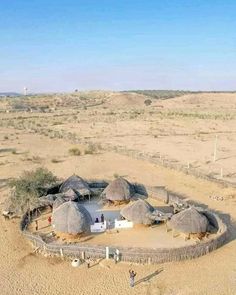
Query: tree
[[147, 102], [28, 188]]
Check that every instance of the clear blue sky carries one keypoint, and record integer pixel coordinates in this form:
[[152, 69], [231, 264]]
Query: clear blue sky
[[58, 45]]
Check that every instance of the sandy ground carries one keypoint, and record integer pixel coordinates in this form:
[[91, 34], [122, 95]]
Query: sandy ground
[[139, 236], [22, 272], [181, 130]]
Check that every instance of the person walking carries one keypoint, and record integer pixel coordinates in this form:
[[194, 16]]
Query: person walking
[[87, 260], [132, 275]]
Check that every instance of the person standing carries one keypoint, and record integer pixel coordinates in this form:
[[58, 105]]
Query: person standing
[[102, 218], [115, 257], [49, 220], [36, 225], [132, 275], [109, 225]]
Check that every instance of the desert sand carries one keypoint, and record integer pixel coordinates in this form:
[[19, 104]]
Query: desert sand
[[23, 147]]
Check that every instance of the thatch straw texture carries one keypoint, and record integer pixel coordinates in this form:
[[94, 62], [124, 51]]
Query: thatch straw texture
[[189, 221], [77, 184], [119, 190], [59, 201], [139, 212], [71, 218], [70, 195]]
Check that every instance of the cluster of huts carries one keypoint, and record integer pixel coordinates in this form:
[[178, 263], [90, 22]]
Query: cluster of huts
[[69, 216]]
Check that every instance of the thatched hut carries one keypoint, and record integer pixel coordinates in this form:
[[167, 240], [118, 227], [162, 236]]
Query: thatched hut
[[75, 184], [70, 195], [58, 202], [71, 218], [119, 191], [189, 221], [139, 212]]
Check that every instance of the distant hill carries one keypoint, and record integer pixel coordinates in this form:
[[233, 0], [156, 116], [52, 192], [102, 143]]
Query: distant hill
[[166, 94], [9, 94]]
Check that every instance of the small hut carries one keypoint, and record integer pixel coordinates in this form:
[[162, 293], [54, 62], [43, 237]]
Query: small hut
[[71, 218], [189, 221], [139, 212], [119, 191], [75, 184]]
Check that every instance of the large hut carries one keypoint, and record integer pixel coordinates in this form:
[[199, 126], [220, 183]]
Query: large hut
[[58, 202], [71, 218], [139, 212], [75, 185], [119, 191], [189, 221]]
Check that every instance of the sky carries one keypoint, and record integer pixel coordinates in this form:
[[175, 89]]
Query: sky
[[63, 45]]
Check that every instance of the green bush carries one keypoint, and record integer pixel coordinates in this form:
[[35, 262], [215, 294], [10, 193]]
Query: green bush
[[26, 190]]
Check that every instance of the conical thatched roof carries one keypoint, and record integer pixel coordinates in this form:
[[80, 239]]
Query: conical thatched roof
[[48, 199], [189, 221], [138, 212], [71, 218], [119, 190], [70, 195], [77, 184], [59, 201]]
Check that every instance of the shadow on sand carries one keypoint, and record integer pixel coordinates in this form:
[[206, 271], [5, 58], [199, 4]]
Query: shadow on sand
[[147, 278]]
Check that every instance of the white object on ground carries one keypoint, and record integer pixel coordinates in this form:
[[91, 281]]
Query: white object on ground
[[123, 224], [98, 227], [75, 263]]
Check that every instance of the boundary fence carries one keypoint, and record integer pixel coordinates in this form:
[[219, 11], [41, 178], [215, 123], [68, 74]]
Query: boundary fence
[[165, 162], [135, 254]]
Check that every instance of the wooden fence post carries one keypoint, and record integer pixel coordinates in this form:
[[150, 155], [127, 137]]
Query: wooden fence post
[[215, 148], [83, 255], [107, 252]]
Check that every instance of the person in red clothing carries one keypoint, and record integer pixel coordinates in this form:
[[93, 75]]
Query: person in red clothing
[[49, 220]]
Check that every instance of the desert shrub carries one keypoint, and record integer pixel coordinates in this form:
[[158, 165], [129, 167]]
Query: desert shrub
[[6, 137], [57, 123], [91, 149], [74, 151], [26, 190], [147, 102], [13, 151], [55, 160], [116, 175]]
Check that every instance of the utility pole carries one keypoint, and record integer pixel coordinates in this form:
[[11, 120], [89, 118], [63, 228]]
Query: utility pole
[[215, 148]]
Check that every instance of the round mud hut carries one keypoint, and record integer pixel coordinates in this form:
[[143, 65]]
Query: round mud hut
[[119, 191], [139, 212], [71, 218], [75, 186], [189, 221]]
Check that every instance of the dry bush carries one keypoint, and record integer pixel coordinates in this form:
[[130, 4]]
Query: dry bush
[[74, 151], [91, 149]]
